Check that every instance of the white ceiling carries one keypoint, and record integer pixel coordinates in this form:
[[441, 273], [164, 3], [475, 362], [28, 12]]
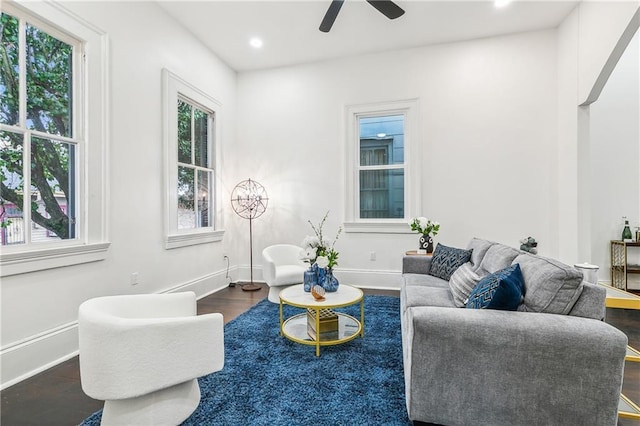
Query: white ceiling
[[290, 32]]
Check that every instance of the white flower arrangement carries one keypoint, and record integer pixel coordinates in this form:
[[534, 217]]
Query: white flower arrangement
[[424, 226], [322, 261], [318, 250], [308, 254]]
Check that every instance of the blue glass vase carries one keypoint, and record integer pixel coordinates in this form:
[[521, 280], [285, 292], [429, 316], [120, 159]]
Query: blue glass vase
[[321, 274], [330, 283], [310, 278]]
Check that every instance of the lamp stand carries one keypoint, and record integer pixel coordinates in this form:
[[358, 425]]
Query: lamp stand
[[249, 200], [251, 286]]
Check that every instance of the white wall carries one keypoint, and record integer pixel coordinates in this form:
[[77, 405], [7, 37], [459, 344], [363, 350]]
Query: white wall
[[589, 43], [615, 156], [39, 310], [487, 127]]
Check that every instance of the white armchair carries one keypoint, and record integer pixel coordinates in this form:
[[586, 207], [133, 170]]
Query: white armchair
[[281, 268], [142, 355]]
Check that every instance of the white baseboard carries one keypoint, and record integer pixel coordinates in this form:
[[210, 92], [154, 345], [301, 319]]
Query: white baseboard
[[27, 357], [379, 280], [35, 354]]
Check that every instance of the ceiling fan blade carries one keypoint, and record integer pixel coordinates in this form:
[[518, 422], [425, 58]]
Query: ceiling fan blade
[[387, 8], [331, 15]]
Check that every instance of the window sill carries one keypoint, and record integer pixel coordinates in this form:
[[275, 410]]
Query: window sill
[[184, 240], [378, 227], [40, 260]]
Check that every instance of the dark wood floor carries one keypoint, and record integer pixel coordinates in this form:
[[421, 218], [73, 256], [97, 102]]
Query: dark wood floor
[[55, 397]]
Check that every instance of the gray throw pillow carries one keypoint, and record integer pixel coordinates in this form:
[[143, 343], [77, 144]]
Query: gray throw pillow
[[551, 286], [462, 282], [446, 260]]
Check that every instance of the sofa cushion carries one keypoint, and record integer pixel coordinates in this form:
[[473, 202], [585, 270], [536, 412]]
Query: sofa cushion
[[500, 290], [550, 286], [446, 260], [462, 282], [424, 280], [426, 296], [479, 247], [498, 257]]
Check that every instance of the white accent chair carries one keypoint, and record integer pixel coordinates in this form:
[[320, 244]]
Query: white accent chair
[[281, 268], [142, 355]]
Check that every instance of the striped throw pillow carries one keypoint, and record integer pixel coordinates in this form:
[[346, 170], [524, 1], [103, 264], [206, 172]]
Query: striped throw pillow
[[462, 283]]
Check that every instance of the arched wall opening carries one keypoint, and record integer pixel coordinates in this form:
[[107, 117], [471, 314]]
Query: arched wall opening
[[609, 154]]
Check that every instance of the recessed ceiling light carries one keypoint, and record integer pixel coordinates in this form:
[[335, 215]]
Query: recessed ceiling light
[[255, 42], [501, 3]]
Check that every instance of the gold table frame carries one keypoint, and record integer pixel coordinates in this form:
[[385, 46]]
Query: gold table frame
[[345, 296], [618, 298]]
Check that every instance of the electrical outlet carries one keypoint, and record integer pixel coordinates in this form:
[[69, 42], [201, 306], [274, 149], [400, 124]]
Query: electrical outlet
[[134, 278], [372, 255], [225, 256]]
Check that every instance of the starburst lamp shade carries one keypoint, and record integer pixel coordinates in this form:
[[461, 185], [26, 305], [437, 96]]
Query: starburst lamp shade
[[249, 200]]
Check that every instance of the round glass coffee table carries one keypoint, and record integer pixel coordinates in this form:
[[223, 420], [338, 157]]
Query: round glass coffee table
[[334, 327]]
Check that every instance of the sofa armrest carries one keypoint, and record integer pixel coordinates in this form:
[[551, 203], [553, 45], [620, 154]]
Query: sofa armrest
[[416, 264], [510, 368]]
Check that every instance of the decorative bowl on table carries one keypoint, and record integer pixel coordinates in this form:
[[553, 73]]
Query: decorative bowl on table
[[318, 292]]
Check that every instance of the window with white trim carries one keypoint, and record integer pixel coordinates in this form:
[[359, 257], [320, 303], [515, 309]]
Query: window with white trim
[[191, 147], [382, 166], [51, 151]]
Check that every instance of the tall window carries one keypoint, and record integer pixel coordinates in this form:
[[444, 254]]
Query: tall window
[[383, 173], [195, 174], [53, 137], [191, 145], [40, 134]]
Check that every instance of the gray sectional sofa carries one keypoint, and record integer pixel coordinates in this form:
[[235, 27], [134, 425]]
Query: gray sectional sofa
[[551, 362]]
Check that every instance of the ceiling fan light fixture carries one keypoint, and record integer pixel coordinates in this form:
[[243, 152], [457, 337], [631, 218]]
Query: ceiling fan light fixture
[[387, 7]]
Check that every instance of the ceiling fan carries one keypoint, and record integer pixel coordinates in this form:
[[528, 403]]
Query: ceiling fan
[[386, 7]]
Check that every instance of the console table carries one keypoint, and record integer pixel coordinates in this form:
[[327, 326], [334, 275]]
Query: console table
[[620, 268]]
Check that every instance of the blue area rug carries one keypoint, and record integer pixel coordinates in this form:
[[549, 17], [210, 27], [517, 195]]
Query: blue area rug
[[269, 380]]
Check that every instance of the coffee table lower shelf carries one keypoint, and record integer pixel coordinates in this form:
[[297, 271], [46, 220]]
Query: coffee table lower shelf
[[295, 329]]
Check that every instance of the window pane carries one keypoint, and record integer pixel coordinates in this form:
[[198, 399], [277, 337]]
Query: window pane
[[200, 120], [52, 190], [184, 132], [9, 93], [382, 140], [49, 63], [186, 191], [12, 189], [204, 198], [381, 194]]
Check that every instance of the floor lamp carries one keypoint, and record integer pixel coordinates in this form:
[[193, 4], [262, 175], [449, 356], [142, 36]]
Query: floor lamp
[[249, 200]]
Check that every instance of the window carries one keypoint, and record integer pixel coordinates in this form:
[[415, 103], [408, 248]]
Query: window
[[46, 165], [382, 167], [40, 133], [191, 149], [194, 165]]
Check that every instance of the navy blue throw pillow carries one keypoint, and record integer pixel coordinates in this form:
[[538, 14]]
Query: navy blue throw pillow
[[501, 290], [446, 260]]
